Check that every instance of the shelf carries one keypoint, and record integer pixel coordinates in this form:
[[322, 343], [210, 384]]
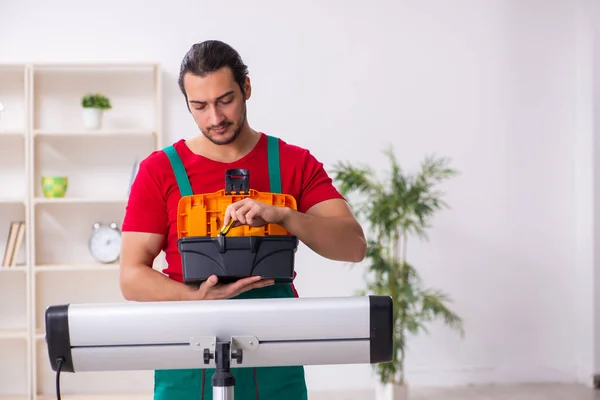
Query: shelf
[[88, 382], [42, 133], [13, 166], [95, 167], [12, 201], [96, 133], [12, 67], [58, 228], [77, 268], [17, 268], [95, 67], [14, 366], [13, 289], [13, 98], [60, 287], [9, 213], [12, 134], [58, 90], [80, 200], [6, 334]]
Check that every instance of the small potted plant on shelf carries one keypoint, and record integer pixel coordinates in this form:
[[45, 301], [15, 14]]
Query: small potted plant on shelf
[[394, 209], [94, 105]]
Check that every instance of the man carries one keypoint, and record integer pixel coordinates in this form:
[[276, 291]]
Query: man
[[216, 86]]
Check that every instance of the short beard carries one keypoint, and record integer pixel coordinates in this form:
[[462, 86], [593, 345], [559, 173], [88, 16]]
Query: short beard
[[236, 133]]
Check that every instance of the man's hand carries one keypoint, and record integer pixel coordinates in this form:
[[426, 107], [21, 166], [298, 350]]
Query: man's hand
[[254, 213], [211, 289]]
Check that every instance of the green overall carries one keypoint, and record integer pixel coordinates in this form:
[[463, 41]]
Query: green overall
[[264, 383]]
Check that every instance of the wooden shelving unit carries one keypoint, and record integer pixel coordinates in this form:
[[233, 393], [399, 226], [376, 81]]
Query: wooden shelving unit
[[43, 135]]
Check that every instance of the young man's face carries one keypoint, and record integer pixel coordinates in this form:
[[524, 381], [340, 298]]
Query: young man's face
[[217, 104]]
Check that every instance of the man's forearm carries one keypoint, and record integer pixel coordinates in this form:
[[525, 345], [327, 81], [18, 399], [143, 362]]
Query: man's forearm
[[336, 238], [142, 283]]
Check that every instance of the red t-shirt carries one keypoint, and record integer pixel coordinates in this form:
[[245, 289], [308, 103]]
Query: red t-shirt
[[154, 196]]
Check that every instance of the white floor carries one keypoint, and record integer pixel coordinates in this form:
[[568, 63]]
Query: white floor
[[511, 392], [499, 392], [508, 392]]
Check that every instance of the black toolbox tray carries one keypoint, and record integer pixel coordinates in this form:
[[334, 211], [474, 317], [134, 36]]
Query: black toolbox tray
[[234, 257]]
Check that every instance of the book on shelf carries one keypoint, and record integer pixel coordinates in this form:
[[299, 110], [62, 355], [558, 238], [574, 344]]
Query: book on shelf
[[14, 242]]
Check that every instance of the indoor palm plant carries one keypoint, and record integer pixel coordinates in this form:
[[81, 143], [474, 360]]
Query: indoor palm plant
[[393, 209]]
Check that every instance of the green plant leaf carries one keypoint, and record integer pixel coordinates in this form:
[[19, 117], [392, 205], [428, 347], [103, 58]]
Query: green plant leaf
[[96, 100], [433, 307]]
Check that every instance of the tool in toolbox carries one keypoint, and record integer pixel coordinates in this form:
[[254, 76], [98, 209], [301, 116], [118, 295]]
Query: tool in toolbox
[[227, 227]]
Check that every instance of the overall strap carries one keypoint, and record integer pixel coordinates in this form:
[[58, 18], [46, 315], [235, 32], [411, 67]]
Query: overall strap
[[180, 175], [184, 183], [273, 157]]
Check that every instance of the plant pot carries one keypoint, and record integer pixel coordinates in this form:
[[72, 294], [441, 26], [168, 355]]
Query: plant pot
[[390, 391], [54, 186], [92, 118]]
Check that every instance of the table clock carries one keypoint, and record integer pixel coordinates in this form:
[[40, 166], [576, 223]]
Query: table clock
[[105, 243]]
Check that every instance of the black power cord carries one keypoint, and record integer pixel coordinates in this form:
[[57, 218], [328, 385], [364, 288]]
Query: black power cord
[[59, 363]]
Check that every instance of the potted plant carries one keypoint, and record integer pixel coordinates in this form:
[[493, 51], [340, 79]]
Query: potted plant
[[394, 209], [94, 105]]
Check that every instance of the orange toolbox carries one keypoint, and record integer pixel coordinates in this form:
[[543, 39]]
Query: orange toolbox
[[203, 214], [208, 248]]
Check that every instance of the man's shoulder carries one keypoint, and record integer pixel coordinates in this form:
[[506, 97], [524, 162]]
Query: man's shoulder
[[293, 151], [157, 160]]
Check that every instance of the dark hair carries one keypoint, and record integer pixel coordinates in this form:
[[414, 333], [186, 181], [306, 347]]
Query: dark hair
[[209, 56]]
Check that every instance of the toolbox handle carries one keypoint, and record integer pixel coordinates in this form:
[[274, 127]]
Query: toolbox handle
[[237, 181], [251, 244]]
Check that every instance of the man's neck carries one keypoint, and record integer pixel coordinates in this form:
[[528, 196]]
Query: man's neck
[[227, 153]]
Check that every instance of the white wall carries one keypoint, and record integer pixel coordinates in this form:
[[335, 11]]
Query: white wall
[[595, 112], [496, 85], [584, 192]]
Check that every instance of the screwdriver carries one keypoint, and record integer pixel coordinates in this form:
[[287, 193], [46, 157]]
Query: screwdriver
[[227, 227]]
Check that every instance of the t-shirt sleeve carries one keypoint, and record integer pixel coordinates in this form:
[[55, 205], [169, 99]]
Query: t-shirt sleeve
[[146, 209], [317, 185]]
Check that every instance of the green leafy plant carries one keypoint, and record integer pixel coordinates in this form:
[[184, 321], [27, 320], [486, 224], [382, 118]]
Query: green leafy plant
[[96, 100], [394, 209]]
